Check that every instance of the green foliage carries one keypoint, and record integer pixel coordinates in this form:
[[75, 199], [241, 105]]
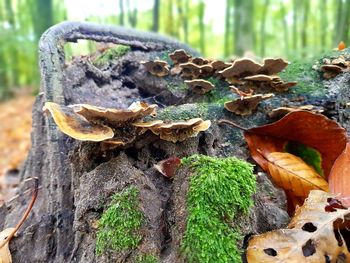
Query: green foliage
[[310, 156], [219, 190], [120, 224], [111, 54], [146, 258]]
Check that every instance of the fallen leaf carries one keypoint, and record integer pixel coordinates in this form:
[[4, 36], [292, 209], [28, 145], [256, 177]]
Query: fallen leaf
[[313, 130], [315, 234], [341, 45], [293, 175], [5, 254], [168, 166], [339, 178]]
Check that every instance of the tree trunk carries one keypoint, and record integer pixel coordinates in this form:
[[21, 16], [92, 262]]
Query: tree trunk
[[155, 26], [228, 31], [324, 24], [295, 25], [201, 10], [121, 10], [285, 29], [262, 28], [304, 31], [243, 26]]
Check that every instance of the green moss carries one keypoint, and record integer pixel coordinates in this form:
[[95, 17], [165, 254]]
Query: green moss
[[310, 156], [120, 224], [146, 258], [309, 80], [110, 54], [219, 190]]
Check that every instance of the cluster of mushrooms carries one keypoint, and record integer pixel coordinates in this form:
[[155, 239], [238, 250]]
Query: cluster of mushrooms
[[119, 127], [332, 67], [244, 74]]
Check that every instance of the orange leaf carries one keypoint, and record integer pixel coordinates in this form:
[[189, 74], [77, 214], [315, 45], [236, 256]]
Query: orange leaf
[[314, 130], [339, 178], [318, 232], [293, 175], [341, 45]]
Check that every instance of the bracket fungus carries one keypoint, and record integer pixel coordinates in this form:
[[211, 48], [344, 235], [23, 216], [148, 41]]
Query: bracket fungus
[[331, 68], [115, 117], [200, 86], [179, 56], [273, 66], [90, 123], [190, 70], [200, 61], [77, 126], [331, 71], [157, 68], [176, 131], [282, 111], [246, 105], [241, 68]]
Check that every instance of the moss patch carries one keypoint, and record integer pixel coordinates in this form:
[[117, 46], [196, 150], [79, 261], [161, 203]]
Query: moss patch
[[219, 190], [120, 224], [111, 54], [309, 80], [310, 156]]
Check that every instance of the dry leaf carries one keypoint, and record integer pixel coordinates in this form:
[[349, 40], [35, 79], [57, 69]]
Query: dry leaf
[[313, 130], [293, 175], [339, 178], [5, 254], [168, 166], [319, 232], [341, 45]]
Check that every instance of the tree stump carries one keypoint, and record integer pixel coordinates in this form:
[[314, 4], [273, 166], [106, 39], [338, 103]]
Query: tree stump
[[77, 179]]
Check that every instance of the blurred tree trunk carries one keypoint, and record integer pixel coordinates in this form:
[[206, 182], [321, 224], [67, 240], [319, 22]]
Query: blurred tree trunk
[[155, 26], [295, 25], [201, 10], [304, 31], [339, 18], [10, 17], [132, 13], [228, 24], [42, 16], [121, 15], [344, 34], [324, 24], [243, 26], [262, 28], [182, 11], [285, 29], [4, 92]]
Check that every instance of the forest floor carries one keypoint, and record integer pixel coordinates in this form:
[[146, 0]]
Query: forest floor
[[16, 123]]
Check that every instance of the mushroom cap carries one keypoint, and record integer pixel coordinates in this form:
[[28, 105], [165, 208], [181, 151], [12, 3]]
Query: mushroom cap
[[181, 130], [273, 66], [206, 71], [199, 61], [262, 78], [149, 124], [241, 66], [118, 117], [333, 68], [200, 86], [190, 70], [245, 105], [179, 56], [75, 125], [157, 68], [283, 86], [219, 64], [340, 61], [281, 111]]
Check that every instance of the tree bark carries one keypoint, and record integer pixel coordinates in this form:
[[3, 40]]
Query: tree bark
[[155, 26]]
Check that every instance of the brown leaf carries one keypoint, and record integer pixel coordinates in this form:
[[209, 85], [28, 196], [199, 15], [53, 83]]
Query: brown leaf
[[339, 178], [5, 254], [341, 45], [314, 130], [313, 235], [293, 175], [168, 166]]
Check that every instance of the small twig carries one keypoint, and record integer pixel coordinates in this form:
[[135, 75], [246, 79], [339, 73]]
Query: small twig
[[26, 213], [222, 121]]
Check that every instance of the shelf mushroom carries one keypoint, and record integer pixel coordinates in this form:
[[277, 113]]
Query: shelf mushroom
[[157, 68]]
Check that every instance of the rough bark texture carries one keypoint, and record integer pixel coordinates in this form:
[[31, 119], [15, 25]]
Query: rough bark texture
[[77, 179]]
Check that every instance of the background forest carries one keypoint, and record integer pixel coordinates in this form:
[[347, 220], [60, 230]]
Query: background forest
[[293, 29]]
